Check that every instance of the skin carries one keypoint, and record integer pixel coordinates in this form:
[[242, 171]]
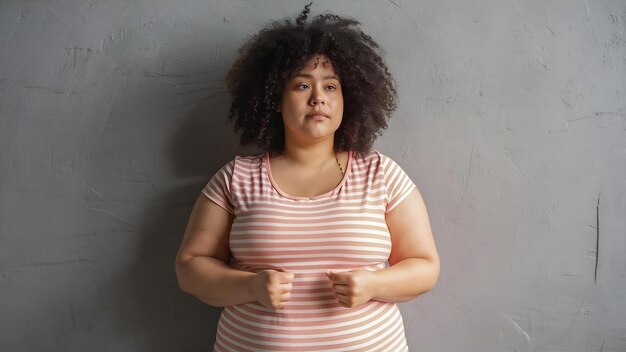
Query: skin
[[315, 89], [308, 159], [308, 166]]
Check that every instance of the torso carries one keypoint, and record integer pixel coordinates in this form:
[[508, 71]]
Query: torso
[[342, 227]]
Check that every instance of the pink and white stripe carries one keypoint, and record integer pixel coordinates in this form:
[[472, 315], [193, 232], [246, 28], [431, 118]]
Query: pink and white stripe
[[343, 229]]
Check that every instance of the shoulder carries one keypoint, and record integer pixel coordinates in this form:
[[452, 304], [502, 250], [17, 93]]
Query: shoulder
[[248, 159], [384, 159], [374, 160], [243, 162], [379, 164]]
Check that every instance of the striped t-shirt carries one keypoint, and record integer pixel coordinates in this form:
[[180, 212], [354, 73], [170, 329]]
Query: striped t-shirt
[[343, 229]]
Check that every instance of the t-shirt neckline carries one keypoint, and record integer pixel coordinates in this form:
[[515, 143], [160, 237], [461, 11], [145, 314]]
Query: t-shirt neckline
[[266, 160]]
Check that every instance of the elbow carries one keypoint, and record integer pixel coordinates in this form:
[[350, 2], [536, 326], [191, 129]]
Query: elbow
[[434, 274], [429, 276], [180, 268], [184, 276], [435, 269]]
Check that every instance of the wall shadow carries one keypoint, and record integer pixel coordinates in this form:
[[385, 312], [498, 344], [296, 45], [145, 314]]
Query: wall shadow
[[168, 318]]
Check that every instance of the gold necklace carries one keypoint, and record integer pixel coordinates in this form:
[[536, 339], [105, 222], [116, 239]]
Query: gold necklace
[[338, 163]]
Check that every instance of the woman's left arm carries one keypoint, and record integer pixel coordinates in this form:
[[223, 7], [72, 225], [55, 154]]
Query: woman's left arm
[[414, 262]]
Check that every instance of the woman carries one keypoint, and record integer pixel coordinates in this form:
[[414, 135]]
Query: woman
[[294, 242]]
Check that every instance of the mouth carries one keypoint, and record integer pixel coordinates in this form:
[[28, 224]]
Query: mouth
[[317, 116]]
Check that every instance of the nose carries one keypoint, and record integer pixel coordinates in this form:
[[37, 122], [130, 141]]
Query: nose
[[317, 98]]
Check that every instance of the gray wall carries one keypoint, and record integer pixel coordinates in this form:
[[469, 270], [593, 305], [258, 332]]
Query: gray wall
[[511, 122]]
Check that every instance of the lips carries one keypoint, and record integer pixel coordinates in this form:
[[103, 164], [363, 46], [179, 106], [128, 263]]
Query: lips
[[317, 116]]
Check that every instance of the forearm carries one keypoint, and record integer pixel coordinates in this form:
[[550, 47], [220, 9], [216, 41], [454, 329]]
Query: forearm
[[405, 280], [214, 282]]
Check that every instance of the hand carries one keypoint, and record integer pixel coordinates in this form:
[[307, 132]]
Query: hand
[[352, 288], [272, 288]]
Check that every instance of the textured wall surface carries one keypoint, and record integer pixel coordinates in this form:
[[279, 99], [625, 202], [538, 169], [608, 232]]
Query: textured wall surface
[[512, 122]]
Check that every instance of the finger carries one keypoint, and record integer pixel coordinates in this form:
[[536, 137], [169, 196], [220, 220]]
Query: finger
[[280, 269], [343, 289], [280, 301], [286, 288], [343, 299], [339, 277], [286, 277], [285, 296]]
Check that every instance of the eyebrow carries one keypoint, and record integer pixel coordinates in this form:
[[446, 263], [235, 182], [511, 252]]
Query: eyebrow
[[306, 75]]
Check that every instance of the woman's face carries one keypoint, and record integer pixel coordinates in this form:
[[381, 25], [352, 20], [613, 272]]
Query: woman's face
[[312, 102]]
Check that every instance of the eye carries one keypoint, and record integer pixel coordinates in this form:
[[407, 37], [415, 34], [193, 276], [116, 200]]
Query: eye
[[302, 86], [331, 87]]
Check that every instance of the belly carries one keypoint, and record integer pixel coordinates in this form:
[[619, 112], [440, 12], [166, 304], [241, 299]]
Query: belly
[[312, 321]]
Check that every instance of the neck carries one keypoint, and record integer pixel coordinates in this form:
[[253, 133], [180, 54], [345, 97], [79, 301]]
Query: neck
[[311, 155]]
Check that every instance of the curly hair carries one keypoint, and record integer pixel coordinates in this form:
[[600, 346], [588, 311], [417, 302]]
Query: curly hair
[[276, 53]]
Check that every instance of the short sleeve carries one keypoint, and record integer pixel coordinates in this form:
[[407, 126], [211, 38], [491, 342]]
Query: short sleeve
[[398, 184], [219, 187]]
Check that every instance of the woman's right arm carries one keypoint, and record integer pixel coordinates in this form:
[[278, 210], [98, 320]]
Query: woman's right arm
[[202, 269]]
